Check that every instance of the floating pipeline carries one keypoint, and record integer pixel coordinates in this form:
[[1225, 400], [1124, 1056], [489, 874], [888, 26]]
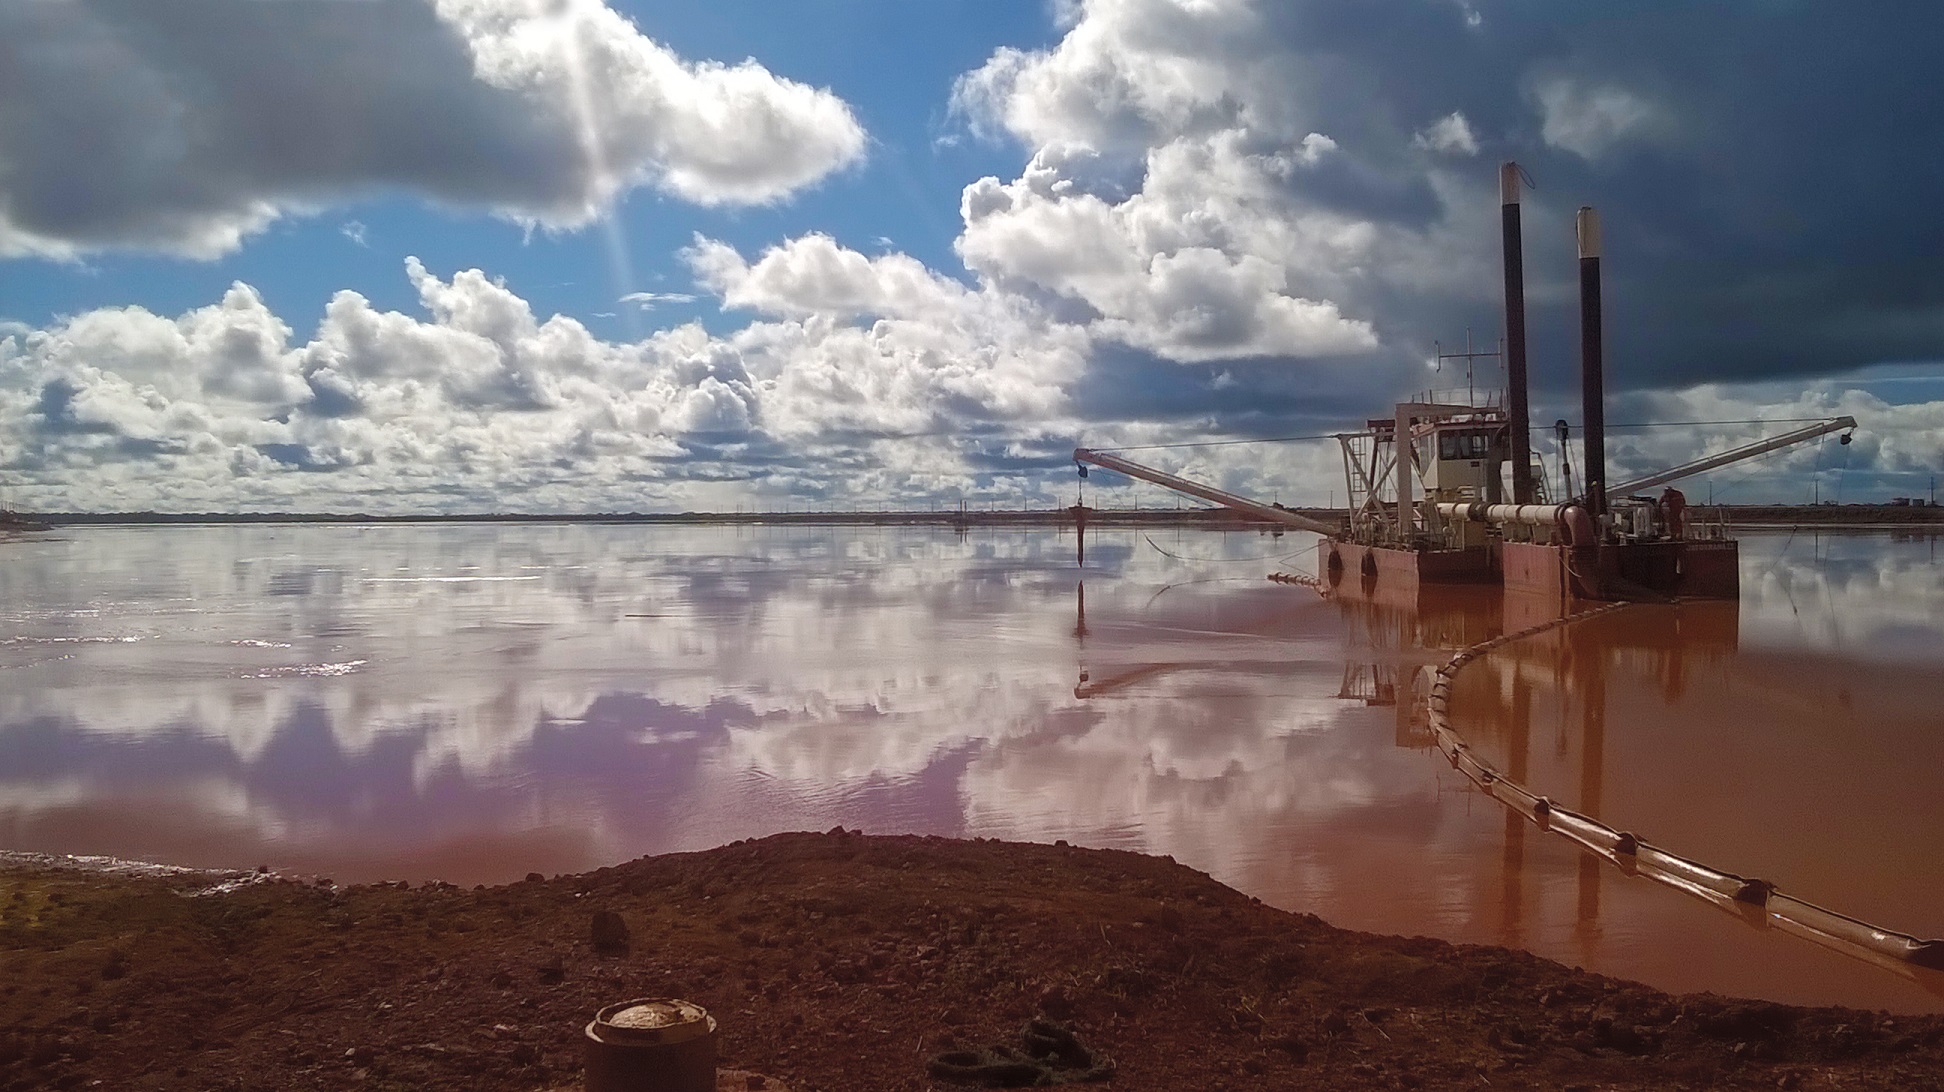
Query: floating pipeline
[[1757, 902]]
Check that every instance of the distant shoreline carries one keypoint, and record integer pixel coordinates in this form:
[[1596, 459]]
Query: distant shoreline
[[1220, 518], [1824, 515]]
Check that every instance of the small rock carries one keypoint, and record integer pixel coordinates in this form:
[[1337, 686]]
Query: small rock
[[609, 933], [1295, 1047], [552, 972], [360, 1056], [535, 877], [1054, 1002]]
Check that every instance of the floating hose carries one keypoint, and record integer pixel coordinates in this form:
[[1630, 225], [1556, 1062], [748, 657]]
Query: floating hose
[[1755, 901]]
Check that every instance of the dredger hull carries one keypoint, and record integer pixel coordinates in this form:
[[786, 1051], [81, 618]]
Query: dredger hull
[[1703, 569]]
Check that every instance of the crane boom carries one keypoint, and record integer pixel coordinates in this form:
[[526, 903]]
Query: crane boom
[[1749, 451], [1205, 492]]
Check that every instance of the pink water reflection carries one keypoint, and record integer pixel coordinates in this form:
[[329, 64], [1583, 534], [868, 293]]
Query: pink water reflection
[[474, 703]]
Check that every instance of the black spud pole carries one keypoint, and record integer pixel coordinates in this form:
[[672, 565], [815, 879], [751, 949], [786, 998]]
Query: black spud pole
[[1592, 373], [1519, 406]]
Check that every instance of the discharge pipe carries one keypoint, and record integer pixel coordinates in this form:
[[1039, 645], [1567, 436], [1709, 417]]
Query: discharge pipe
[[1749, 451], [1537, 515], [1574, 522]]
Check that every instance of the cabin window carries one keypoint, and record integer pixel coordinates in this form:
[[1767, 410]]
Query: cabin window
[[1464, 444]]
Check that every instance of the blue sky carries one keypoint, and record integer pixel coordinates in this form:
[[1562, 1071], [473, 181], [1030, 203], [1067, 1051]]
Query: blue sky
[[894, 63], [370, 254]]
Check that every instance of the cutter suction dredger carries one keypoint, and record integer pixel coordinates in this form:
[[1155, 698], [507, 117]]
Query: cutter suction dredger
[[1431, 500]]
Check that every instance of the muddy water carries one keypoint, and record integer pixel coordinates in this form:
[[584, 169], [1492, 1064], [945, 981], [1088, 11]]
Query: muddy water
[[474, 703]]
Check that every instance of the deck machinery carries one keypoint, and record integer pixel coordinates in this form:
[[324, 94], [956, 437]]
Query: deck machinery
[[1430, 501]]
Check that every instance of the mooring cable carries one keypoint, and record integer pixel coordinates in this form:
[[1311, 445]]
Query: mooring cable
[[1220, 443], [1534, 428], [1184, 583], [1685, 424], [1278, 556]]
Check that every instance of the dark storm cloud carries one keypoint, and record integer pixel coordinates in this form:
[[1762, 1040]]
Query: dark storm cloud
[[183, 124], [1766, 169], [1773, 212], [97, 91], [1246, 397]]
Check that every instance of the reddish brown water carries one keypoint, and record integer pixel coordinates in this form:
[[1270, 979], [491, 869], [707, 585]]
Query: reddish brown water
[[473, 703]]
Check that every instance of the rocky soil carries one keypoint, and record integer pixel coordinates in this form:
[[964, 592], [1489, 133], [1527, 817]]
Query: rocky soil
[[839, 961]]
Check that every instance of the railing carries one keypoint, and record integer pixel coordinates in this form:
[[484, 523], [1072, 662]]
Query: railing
[[1474, 397]]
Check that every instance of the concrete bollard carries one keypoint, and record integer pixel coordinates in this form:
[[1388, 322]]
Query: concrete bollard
[[651, 1044]]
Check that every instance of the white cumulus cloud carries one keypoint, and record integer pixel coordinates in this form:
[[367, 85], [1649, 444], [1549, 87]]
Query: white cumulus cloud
[[1450, 134], [1589, 120], [479, 404]]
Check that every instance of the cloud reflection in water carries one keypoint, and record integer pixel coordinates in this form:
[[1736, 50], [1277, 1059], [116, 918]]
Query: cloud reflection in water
[[558, 697]]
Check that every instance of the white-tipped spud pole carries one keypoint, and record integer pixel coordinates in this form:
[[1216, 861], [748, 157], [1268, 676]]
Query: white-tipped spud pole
[[1518, 404], [1592, 375]]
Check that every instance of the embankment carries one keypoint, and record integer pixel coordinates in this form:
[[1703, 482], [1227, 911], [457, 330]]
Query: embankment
[[843, 962]]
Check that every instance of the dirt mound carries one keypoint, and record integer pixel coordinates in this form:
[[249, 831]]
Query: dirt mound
[[836, 962]]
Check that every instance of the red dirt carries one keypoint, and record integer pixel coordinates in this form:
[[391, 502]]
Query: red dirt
[[838, 962]]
